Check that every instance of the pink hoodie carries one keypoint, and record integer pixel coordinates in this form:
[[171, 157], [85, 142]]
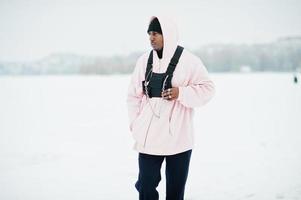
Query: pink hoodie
[[172, 132]]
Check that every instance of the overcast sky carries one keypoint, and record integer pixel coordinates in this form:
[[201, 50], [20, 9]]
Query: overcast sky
[[32, 29]]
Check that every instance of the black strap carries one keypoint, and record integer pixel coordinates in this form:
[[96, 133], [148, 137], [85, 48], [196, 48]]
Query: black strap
[[174, 60], [172, 64]]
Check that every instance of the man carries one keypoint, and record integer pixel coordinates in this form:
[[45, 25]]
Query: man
[[166, 85]]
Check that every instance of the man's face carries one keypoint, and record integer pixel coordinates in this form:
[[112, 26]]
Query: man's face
[[156, 40]]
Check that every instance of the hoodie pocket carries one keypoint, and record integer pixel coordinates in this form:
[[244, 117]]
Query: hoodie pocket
[[140, 125]]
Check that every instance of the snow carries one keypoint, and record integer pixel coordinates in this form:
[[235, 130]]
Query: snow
[[67, 137]]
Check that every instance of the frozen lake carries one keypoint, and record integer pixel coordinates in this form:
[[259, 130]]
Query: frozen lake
[[67, 138]]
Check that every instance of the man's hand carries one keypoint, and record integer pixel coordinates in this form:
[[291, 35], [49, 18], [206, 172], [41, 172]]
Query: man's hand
[[170, 94]]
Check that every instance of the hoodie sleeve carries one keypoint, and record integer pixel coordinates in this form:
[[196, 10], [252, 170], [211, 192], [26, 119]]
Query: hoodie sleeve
[[200, 88], [135, 92]]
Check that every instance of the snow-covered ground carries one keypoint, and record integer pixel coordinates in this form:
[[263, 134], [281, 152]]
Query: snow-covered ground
[[67, 138]]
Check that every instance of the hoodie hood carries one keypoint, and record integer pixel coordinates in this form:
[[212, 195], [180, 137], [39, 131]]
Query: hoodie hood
[[170, 35]]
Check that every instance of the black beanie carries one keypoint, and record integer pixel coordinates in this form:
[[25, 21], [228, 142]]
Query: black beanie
[[154, 26]]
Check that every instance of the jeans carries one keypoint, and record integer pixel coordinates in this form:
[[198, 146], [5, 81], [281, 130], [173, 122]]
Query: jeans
[[176, 173]]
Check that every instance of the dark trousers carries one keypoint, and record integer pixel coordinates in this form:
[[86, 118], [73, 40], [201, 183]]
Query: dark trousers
[[176, 173]]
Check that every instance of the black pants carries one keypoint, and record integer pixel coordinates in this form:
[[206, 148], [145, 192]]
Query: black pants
[[176, 172]]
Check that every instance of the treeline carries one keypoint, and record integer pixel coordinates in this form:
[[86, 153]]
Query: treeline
[[283, 55]]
